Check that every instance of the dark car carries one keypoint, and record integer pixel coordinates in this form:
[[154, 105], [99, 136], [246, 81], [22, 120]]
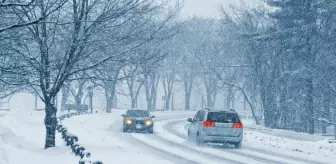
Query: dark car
[[138, 120]]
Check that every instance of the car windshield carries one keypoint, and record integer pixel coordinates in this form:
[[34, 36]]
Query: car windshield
[[223, 117], [137, 113]]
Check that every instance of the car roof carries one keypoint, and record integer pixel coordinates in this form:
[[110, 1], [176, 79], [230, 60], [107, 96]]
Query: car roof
[[219, 110], [136, 109]]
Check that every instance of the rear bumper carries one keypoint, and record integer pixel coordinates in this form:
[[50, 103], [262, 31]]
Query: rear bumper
[[222, 139]]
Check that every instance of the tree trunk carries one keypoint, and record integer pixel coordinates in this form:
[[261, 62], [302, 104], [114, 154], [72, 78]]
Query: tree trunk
[[50, 122], [155, 93], [78, 101], [79, 94], [168, 83], [151, 85], [108, 101], [134, 102], [229, 97], [310, 107], [266, 104], [149, 92], [188, 83], [211, 91], [168, 96], [211, 98], [187, 101], [283, 122], [233, 100], [114, 101], [65, 96], [154, 101], [110, 89], [326, 111], [149, 100]]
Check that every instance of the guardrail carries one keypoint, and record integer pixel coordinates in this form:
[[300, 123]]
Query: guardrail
[[72, 140]]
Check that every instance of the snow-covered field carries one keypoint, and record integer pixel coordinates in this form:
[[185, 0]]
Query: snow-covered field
[[22, 139]]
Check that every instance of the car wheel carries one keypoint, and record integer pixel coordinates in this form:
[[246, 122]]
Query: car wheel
[[189, 136], [199, 141], [238, 145], [151, 131]]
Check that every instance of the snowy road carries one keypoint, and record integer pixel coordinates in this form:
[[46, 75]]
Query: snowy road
[[259, 155], [168, 144]]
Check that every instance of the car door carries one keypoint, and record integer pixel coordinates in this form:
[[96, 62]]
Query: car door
[[192, 126], [199, 121]]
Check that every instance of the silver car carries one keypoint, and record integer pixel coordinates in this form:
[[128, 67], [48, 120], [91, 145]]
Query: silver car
[[216, 126]]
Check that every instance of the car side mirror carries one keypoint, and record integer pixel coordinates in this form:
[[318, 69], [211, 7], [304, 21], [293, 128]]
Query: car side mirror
[[123, 115], [153, 116], [189, 120]]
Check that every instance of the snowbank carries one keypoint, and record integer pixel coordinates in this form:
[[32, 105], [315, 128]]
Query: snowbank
[[265, 141], [258, 136], [285, 133], [22, 140]]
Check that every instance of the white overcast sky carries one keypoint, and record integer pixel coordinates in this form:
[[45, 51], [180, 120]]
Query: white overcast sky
[[206, 8]]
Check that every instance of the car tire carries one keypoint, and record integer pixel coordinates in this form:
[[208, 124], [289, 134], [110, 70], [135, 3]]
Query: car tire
[[238, 145], [199, 141], [151, 131], [124, 129], [189, 137]]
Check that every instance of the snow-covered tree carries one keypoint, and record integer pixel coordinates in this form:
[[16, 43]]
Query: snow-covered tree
[[69, 41]]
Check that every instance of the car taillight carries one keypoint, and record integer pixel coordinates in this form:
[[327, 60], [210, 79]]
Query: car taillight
[[208, 124], [237, 125]]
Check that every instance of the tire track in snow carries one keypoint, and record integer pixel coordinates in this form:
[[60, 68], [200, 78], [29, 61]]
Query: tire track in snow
[[156, 151], [205, 156], [180, 158], [159, 152], [170, 129]]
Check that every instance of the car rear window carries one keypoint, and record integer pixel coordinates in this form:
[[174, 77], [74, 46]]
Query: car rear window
[[223, 117]]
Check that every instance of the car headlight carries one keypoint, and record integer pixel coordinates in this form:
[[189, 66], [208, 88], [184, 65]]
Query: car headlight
[[128, 122], [148, 122]]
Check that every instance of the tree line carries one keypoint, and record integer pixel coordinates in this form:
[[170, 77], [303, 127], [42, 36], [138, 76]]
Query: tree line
[[48, 44], [278, 56]]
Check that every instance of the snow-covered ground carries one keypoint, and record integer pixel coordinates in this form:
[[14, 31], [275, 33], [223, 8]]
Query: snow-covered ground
[[284, 148], [287, 133], [101, 134], [22, 140]]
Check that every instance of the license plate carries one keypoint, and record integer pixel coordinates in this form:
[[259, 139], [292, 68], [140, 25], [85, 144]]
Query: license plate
[[138, 126]]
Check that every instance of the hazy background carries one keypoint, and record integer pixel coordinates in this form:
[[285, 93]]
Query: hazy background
[[200, 8]]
